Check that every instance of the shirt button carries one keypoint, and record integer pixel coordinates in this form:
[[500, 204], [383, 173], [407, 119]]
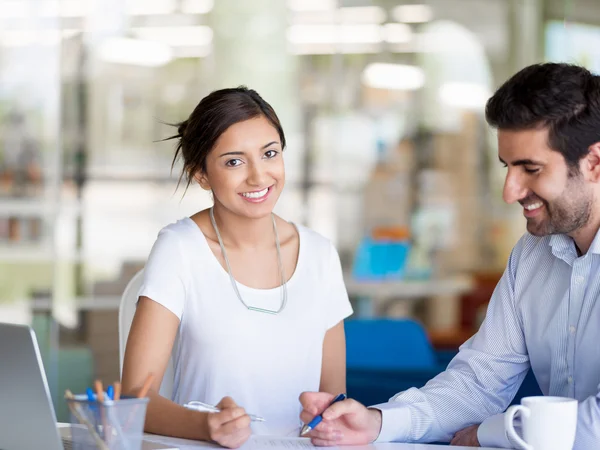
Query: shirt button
[[578, 279], [572, 329], [570, 380]]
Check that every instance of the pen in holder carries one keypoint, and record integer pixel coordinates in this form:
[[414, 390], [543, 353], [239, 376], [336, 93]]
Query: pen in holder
[[107, 425]]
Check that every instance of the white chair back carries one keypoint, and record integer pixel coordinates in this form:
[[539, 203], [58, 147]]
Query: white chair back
[[126, 312]]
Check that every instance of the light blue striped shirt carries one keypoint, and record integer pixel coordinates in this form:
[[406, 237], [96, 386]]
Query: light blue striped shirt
[[544, 315]]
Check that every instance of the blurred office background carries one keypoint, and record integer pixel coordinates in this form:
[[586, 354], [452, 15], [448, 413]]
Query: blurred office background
[[389, 154]]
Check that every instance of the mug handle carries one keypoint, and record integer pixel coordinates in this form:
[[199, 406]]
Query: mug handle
[[509, 426]]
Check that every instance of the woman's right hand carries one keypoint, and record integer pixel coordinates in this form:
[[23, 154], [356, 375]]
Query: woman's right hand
[[231, 426]]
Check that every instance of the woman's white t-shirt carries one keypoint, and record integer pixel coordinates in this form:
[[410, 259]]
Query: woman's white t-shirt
[[263, 361]]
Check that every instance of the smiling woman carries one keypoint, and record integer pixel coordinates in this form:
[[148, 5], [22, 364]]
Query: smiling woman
[[250, 306], [245, 168]]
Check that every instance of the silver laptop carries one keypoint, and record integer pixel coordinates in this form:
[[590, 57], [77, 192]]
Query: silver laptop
[[27, 419]]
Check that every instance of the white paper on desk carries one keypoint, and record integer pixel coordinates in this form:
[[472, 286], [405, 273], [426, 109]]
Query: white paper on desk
[[277, 443], [177, 443], [292, 443], [254, 443]]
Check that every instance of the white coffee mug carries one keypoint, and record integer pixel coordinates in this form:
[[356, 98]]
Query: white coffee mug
[[548, 423]]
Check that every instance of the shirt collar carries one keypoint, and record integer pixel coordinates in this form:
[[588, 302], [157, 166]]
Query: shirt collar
[[563, 246], [595, 247]]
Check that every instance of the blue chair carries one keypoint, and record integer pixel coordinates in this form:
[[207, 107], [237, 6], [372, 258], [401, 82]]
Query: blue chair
[[387, 344], [386, 356]]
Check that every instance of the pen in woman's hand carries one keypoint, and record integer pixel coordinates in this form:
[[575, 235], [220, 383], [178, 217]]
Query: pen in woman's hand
[[317, 420], [205, 407]]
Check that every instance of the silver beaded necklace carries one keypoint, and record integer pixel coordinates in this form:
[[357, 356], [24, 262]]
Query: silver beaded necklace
[[234, 283]]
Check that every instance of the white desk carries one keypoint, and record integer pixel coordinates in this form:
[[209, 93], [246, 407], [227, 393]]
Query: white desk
[[259, 442]]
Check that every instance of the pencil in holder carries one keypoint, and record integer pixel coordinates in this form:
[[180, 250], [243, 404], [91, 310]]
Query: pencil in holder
[[109, 425]]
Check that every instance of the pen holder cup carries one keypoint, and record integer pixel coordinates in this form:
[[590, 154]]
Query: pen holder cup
[[117, 425]]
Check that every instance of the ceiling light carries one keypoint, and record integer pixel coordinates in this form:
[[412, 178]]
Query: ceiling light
[[397, 33], [312, 5], [197, 6], [361, 14], [464, 95], [346, 15], [150, 7], [412, 13], [334, 34], [176, 36], [64, 8], [135, 51], [393, 76]]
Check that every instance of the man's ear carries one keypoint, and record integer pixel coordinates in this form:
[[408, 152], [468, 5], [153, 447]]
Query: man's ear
[[202, 180], [591, 163]]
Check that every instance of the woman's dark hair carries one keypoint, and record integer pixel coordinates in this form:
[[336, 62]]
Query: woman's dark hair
[[563, 98], [215, 113]]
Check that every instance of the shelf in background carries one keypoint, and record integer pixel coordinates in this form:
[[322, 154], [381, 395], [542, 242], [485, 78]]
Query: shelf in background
[[92, 303], [409, 289], [34, 253], [37, 207]]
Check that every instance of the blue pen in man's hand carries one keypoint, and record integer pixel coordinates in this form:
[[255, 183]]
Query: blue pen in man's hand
[[317, 420]]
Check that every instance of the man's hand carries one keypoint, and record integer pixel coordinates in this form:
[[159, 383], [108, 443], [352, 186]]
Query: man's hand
[[344, 423], [466, 437]]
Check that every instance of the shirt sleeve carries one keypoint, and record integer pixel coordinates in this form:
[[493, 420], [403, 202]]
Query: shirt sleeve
[[479, 382], [337, 303], [164, 274], [491, 432], [395, 423]]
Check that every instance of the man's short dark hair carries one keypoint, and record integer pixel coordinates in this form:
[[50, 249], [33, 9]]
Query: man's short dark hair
[[563, 98]]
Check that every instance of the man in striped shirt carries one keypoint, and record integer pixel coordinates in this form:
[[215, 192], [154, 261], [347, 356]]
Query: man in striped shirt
[[543, 314]]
